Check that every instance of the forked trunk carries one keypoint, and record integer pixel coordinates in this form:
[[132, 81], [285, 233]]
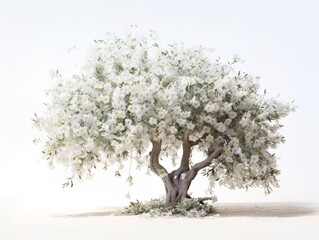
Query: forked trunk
[[178, 181]]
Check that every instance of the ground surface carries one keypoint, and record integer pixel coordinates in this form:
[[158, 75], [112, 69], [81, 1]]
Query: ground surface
[[235, 221]]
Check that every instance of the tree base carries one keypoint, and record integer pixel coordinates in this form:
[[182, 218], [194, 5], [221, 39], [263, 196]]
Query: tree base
[[190, 208]]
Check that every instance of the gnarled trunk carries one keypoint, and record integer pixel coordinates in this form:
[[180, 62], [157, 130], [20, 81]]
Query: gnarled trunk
[[178, 181], [181, 186]]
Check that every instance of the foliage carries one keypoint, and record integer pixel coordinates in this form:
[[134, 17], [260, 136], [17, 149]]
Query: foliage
[[189, 207], [132, 90]]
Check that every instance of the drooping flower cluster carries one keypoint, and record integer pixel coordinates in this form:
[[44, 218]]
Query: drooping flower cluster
[[133, 90]]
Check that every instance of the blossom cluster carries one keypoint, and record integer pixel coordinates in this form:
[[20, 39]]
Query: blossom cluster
[[133, 90]]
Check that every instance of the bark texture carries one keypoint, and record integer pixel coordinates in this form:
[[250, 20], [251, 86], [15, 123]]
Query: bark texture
[[178, 181]]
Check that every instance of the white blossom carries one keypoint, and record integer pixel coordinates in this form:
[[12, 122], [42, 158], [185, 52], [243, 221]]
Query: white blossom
[[194, 102], [232, 114], [153, 121], [236, 58], [190, 126], [211, 107]]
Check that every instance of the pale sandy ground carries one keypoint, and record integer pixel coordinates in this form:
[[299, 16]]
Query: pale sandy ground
[[258, 221]]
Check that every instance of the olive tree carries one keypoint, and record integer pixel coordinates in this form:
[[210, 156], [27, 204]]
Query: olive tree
[[135, 99]]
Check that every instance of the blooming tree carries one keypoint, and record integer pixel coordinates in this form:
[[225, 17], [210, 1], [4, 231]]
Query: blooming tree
[[135, 99]]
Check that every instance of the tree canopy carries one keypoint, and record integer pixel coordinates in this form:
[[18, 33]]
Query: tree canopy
[[136, 99]]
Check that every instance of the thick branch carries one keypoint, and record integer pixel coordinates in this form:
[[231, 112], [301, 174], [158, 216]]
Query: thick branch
[[194, 170], [186, 152], [205, 163], [156, 167], [184, 165], [159, 170]]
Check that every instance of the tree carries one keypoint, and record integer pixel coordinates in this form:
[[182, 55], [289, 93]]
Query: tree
[[135, 99]]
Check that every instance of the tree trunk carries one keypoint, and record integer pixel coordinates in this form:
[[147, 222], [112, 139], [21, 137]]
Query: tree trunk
[[180, 188], [178, 181]]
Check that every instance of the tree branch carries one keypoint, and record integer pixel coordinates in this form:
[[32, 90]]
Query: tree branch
[[159, 170], [155, 166], [202, 199], [205, 163], [198, 166], [184, 165], [186, 152]]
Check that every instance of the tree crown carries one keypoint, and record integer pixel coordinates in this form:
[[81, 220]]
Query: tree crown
[[133, 91]]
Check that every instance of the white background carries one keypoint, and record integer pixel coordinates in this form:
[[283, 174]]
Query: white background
[[277, 39]]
